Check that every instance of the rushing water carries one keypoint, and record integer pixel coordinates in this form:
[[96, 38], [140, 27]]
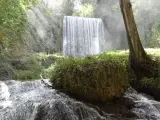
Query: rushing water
[[82, 36], [35, 101]]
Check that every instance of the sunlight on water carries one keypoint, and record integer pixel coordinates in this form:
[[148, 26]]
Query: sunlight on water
[[4, 96], [32, 100]]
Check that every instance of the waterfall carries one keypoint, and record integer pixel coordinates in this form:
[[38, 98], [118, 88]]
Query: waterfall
[[82, 36]]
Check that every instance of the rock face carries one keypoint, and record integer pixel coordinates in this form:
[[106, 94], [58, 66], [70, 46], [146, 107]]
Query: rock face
[[92, 79], [44, 31]]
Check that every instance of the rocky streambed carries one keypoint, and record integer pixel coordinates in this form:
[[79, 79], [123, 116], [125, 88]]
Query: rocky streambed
[[36, 101]]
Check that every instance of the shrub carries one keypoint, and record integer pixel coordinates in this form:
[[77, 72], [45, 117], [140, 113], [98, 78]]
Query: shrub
[[32, 65]]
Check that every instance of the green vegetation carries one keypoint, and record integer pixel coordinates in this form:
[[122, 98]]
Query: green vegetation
[[151, 82], [101, 77], [27, 4], [31, 66], [27, 67], [96, 78], [6, 70], [13, 22], [87, 10], [151, 86]]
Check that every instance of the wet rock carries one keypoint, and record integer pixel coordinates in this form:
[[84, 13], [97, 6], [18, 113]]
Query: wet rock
[[33, 101]]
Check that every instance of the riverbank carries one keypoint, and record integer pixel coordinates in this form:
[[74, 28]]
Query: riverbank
[[107, 71], [32, 100], [29, 66]]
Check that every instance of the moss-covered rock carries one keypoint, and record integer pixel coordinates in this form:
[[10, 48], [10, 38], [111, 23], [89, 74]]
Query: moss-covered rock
[[150, 83], [96, 78], [151, 86]]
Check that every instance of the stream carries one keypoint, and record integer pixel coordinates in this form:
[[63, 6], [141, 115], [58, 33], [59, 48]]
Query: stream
[[33, 100]]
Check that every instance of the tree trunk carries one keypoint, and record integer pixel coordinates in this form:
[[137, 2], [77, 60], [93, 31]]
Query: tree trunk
[[141, 65], [137, 51]]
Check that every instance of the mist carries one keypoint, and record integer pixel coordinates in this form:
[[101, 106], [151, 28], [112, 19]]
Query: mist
[[46, 22], [146, 15]]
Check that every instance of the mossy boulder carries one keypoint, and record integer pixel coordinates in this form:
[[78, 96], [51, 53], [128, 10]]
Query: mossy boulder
[[97, 78], [151, 86], [150, 83]]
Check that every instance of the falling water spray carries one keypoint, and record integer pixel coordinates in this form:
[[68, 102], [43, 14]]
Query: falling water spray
[[82, 36]]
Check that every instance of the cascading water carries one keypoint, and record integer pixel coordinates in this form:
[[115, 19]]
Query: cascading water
[[82, 36], [34, 101]]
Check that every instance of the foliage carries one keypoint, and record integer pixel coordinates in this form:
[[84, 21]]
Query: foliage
[[86, 10], [26, 4], [6, 70], [13, 21], [31, 66], [72, 62], [47, 72], [27, 67], [151, 82]]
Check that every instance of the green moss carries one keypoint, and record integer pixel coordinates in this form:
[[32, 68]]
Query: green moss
[[47, 71], [97, 78], [32, 65], [151, 83], [6, 69], [101, 77]]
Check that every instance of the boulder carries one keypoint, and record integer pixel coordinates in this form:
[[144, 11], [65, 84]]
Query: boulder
[[98, 78]]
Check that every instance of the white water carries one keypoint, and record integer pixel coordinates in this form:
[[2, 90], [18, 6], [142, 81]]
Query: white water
[[82, 36], [34, 101], [4, 96]]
